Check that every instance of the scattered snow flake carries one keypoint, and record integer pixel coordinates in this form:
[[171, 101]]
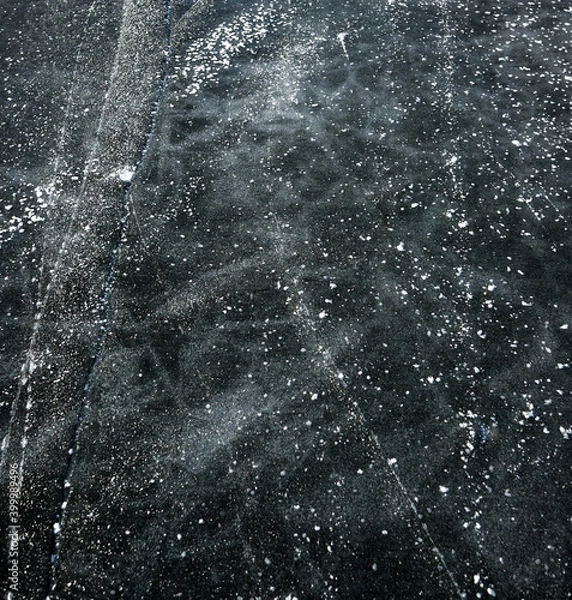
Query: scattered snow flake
[[443, 489]]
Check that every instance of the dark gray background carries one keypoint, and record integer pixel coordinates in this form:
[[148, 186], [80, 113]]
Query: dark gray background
[[285, 296]]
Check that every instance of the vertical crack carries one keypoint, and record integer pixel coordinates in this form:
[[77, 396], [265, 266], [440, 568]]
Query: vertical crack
[[104, 308]]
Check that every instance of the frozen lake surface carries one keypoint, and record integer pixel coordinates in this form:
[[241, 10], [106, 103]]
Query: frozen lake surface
[[286, 299]]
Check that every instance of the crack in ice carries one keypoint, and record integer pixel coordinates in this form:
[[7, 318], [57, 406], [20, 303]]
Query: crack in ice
[[128, 175]]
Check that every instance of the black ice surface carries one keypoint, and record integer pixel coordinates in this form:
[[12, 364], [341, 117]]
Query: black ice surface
[[286, 299]]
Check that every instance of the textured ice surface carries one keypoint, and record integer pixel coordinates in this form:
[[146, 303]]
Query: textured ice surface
[[286, 294]]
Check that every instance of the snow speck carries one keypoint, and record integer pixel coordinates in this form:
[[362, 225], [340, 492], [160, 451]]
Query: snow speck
[[126, 174]]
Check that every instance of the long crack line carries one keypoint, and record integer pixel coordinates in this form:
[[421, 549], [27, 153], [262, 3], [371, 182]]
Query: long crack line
[[104, 308]]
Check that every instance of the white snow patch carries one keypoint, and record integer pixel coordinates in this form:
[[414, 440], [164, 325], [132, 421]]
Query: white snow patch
[[126, 174]]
